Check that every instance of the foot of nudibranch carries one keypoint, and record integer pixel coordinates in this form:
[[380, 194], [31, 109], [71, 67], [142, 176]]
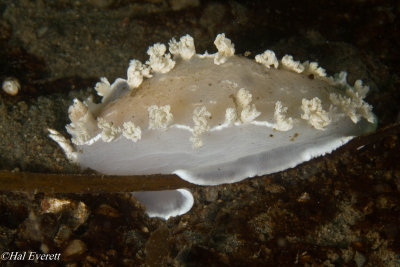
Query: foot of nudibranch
[[166, 203], [65, 145]]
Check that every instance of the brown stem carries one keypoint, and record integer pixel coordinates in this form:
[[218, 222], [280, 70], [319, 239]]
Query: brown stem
[[72, 183]]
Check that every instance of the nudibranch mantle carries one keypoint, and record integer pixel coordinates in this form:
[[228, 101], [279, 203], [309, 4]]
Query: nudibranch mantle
[[214, 118]]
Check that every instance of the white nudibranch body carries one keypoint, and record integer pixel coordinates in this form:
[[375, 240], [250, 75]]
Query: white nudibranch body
[[214, 118]]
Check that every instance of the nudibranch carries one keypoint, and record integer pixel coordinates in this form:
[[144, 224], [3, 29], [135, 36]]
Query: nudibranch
[[214, 118]]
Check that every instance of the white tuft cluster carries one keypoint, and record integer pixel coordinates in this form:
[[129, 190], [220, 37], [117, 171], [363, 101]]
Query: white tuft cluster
[[200, 116], [282, 123], [160, 117], [288, 63], [225, 49], [77, 110], [184, 48], [249, 111], [230, 117], [353, 104], [314, 113], [83, 124], [267, 59], [313, 68], [108, 131], [131, 131], [159, 61], [135, 73], [103, 88]]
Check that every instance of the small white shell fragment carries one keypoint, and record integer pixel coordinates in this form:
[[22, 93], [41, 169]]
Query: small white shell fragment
[[54, 205], [213, 118], [11, 86], [304, 197]]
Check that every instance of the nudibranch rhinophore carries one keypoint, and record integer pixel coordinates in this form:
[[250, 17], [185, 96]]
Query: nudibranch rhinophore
[[214, 118]]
